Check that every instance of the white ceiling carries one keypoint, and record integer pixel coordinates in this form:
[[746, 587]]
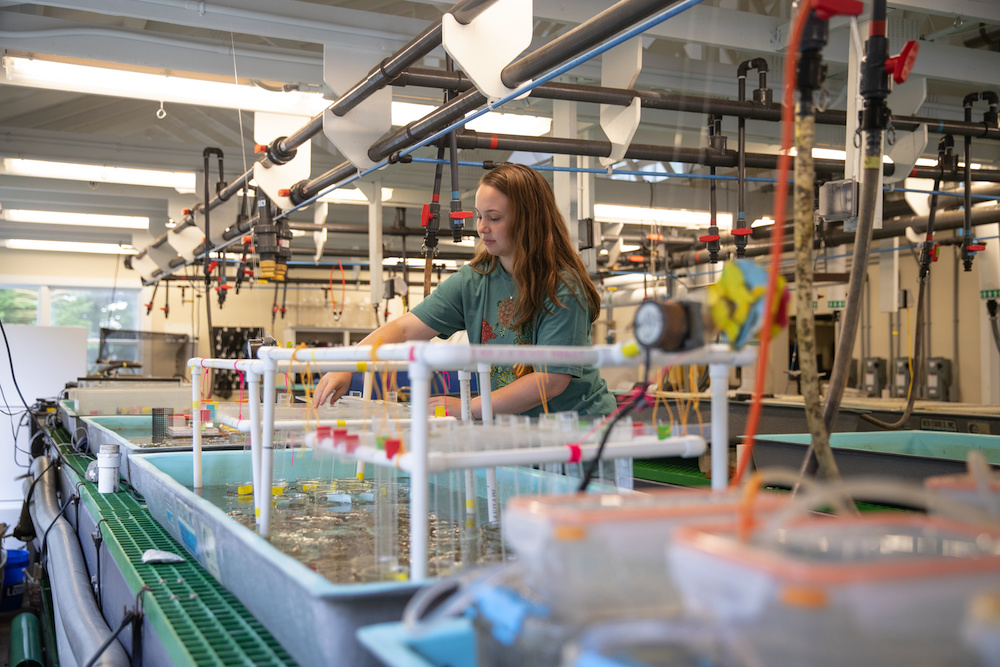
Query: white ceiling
[[282, 43]]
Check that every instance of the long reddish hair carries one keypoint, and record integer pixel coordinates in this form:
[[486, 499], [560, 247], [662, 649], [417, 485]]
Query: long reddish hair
[[543, 254]]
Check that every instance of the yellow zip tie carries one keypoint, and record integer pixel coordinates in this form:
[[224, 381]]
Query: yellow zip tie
[[540, 383]]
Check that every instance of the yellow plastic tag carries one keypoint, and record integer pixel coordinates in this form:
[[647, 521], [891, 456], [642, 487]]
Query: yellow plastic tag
[[244, 490], [440, 411]]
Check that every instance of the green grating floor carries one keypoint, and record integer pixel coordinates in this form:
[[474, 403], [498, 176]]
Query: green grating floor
[[673, 470], [210, 626]]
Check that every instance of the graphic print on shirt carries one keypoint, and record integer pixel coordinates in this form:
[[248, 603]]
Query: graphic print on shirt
[[501, 376]]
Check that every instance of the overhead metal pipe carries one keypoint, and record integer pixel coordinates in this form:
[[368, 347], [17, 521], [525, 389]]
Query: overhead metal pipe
[[578, 40], [379, 77], [981, 215], [654, 99], [590, 33]]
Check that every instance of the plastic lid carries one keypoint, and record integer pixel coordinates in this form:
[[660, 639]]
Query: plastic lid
[[959, 482], [842, 550], [610, 507]]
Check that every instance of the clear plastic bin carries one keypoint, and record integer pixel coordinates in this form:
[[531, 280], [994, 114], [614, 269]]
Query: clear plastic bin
[[603, 554], [962, 488], [880, 589]]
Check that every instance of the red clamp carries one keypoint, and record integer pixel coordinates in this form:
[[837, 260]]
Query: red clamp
[[708, 238], [260, 148], [900, 66], [460, 215], [826, 9], [742, 231], [211, 267], [247, 239]]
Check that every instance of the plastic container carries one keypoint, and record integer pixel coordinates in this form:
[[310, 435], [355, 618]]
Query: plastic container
[[885, 588], [451, 643], [588, 559], [962, 488], [13, 579], [603, 555]]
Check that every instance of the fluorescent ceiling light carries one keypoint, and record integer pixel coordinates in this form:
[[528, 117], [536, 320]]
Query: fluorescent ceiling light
[[762, 222], [630, 248], [157, 87], [351, 196], [181, 90], [660, 216], [528, 125], [832, 154], [932, 162], [69, 246], [76, 219], [182, 181]]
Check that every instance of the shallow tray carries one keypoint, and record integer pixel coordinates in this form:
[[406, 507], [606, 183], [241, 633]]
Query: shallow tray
[[910, 455]]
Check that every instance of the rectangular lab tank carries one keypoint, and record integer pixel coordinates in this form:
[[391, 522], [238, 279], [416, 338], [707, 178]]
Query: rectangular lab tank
[[118, 429], [910, 455], [313, 618]]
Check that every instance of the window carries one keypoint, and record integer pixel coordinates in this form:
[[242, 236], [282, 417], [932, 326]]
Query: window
[[94, 308], [18, 305]]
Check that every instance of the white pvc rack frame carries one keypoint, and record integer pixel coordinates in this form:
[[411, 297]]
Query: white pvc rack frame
[[422, 360]]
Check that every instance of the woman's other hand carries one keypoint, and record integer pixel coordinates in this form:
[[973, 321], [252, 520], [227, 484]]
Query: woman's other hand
[[331, 386]]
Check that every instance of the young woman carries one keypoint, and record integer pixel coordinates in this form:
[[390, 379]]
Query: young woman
[[526, 285]]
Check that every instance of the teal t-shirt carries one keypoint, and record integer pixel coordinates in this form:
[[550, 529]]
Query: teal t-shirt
[[483, 305]]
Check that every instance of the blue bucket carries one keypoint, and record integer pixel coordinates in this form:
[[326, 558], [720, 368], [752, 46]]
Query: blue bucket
[[13, 579]]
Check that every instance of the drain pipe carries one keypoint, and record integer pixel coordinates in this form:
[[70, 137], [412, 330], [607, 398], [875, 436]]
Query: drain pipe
[[875, 114], [969, 246], [82, 622], [928, 250], [762, 97]]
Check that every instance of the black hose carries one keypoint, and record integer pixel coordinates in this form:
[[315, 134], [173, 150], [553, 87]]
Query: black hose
[[126, 620]]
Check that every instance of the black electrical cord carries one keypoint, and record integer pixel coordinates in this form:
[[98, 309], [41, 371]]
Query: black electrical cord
[[62, 510], [98, 537], [10, 360], [126, 620], [640, 395]]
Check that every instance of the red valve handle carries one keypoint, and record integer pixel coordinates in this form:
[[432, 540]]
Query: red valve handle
[[745, 231], [976, 247], [425, 215], [825, 9], [708, 238], [900, 66], [460, 215]]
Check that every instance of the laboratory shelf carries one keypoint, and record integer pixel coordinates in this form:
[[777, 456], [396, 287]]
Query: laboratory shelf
[[197, 621]]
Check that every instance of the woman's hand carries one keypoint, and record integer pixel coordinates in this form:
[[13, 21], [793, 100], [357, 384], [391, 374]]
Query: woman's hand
[[332, 386], [452, 405]]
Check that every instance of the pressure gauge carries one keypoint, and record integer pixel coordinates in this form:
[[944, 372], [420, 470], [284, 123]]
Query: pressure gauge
[[664, 325]]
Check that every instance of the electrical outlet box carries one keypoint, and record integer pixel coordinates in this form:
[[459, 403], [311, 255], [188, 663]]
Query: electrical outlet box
[[901, 378], [874, 375], [838, 200], [939, 379]]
